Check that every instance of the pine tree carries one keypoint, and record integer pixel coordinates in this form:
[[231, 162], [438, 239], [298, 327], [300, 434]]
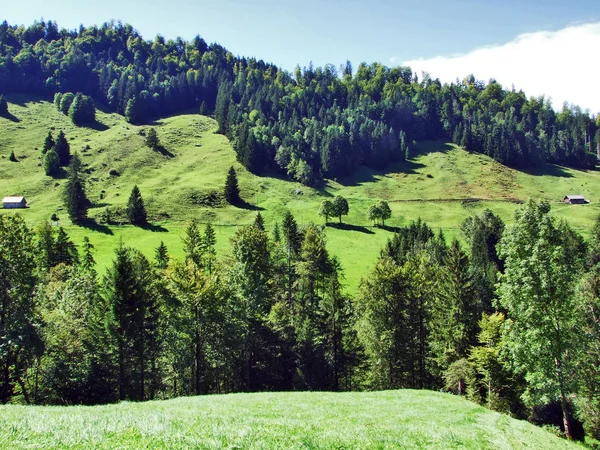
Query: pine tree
[[232, 191], [48, 143], [3, 105], [87, 259], [136, 210], [65, 251], [193, 245], [152, 140], [208, 243], [12, 157], [75, 199], [259, 222], [276, 233], [161, 256], [62, 149]]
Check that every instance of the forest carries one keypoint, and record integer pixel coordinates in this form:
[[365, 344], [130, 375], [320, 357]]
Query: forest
[[309, 124], [510, 319]]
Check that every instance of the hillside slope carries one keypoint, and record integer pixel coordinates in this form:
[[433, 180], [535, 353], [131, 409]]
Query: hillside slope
[[392, 419], [186, 181]]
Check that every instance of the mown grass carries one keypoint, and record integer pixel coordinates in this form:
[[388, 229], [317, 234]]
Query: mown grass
[[302, 420], [432, 186]]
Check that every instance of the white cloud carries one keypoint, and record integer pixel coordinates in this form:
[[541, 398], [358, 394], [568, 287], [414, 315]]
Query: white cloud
[[562, 65]]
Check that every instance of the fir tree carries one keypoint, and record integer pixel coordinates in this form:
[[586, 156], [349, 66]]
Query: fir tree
[[161, 256], [208, 244], [259, 222], [88, 262], [152, 140], [3, 105], [48, 143], [62, 149], [232, 191], [65, 251], [136, 210], [12, 157], [75, 199]]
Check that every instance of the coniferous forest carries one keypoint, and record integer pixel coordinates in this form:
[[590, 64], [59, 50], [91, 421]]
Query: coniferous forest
[[509, 318], [312, 123]]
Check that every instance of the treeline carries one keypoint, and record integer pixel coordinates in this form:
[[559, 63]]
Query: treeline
[[312, 123], [510, 320]]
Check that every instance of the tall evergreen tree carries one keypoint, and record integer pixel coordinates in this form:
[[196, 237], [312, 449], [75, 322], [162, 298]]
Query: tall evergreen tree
[[3, 105], [232, 191], [63, 149], [75, 199], [136, 210], [48, 143]]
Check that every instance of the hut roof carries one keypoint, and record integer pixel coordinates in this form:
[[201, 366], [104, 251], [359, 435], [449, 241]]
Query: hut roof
[[575, 197], [13, 199]]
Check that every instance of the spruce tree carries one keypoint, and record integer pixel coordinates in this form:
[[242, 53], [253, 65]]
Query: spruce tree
[[12, 157], [232, 190], [63, 150], [136, 211], [162, 256], [152, 140], [3, 105], [75, 199], [259, 222], [208, 244], [48, 143]]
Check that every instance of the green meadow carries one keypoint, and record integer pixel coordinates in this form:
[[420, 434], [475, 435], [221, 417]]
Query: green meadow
[[442, 185], [404, 419]]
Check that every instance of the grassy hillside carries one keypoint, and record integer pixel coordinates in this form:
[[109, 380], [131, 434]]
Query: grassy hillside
[[392, 419], [186, 181]]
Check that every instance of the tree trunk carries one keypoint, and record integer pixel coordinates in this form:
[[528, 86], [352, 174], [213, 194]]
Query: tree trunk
[[565, 414], [121, 371], [563, 400]]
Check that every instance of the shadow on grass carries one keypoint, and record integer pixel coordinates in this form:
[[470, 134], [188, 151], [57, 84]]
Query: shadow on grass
[[366, 174], [163, 151], [8, 115], [389, 228], [350, 227], [245, 205], [91, 224], [154, 228], [548, 170], [97, 126]]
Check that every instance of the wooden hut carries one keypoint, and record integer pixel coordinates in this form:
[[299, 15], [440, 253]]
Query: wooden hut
[[14, 202], [574, 199]]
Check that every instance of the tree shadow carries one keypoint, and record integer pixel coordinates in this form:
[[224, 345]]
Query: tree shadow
[[91, 224], [426, 147], [163, 151], [350, 227], [8, 115], [97, 126], [551, 170], [154, 228], [389, 228], [243, 204], [365, 174]]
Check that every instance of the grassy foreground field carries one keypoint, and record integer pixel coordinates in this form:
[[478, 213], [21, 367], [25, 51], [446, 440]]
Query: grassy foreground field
[[187, 179], [302, 420]]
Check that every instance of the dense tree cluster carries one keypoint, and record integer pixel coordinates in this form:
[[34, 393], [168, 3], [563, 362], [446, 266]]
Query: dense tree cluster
[[270, 314], [312, 123]]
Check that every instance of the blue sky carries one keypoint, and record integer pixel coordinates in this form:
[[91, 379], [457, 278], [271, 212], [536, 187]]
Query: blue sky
[[332, 31]]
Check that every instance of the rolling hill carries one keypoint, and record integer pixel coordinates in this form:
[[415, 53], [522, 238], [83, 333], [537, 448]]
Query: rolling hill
[[309, 420], [442, 184]]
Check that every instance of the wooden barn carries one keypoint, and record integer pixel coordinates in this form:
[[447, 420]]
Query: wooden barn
[[14, 202], [574, 199]]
